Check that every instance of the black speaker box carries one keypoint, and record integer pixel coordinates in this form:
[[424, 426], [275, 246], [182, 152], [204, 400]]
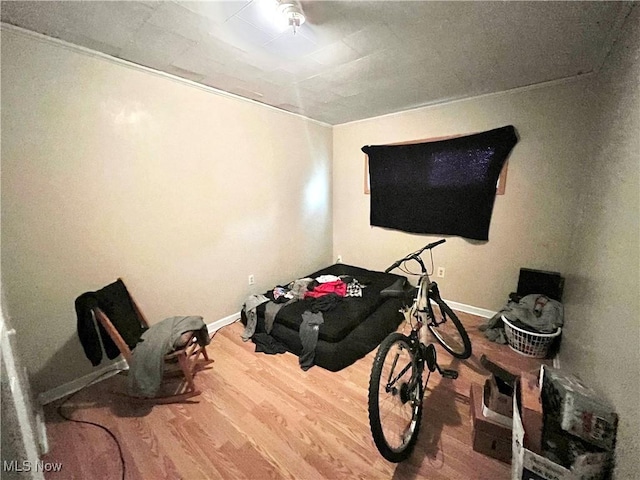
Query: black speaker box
[[531, 281]]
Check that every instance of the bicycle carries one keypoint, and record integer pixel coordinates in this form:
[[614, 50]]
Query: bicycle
[[396, 389]]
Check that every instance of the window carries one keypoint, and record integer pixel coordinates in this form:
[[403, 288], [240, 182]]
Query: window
[[442, 186], [500, 186]]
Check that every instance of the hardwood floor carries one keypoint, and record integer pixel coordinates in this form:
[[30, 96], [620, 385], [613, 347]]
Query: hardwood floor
[[262, 417]]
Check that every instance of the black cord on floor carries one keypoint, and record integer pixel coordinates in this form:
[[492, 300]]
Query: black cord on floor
[[111, 434]]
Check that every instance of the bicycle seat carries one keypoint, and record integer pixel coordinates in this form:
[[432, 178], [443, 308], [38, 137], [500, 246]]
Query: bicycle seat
[[395, 290], [398, 289]]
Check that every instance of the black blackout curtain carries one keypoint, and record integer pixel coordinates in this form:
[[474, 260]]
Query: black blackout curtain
[[443, 187]]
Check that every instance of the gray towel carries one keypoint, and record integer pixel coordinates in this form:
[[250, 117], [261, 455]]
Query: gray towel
[[309, 329], [250, 306], [539, 312], [147, 366], [271, 309]]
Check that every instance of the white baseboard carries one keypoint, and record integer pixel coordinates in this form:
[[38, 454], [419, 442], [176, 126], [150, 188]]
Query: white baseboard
[[82, 382], [110, 370], [223, 322], [480, 312]]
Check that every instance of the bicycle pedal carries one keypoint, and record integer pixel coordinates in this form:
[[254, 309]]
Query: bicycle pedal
[[452, 374]]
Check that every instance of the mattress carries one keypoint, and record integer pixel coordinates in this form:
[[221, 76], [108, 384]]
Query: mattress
[[353, 328]]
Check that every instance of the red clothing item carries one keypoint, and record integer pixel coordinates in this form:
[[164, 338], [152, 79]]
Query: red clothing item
[[338, 287]]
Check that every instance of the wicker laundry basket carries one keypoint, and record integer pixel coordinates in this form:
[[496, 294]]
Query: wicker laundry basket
[[526, 343]]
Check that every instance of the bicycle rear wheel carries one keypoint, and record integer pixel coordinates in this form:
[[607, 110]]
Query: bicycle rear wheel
[[448, 330], [395, 398]]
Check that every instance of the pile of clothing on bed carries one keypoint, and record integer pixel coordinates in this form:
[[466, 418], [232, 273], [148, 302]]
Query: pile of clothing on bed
[[329, 318], [325, 293]]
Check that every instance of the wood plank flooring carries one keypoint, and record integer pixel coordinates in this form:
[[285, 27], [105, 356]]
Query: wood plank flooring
[[262, 417]]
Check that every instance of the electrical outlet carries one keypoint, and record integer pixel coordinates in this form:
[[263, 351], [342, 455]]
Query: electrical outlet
[[339, 259], [252, 279], [441, 272]]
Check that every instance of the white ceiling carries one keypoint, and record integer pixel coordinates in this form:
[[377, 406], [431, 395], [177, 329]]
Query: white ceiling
[[351, 59]]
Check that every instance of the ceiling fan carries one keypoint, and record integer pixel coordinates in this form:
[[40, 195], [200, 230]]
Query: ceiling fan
[[283, 14], [292, 12]]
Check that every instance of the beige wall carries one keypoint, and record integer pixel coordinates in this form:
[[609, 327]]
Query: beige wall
[[531, 224], [112, 171], [572, 205], [602, 337]]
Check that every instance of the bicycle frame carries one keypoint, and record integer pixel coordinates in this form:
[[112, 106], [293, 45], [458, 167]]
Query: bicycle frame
[[420, 313], [397, 384], [416, 379], [421, 307]]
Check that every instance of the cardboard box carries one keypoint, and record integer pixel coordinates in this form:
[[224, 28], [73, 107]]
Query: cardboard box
[[489, 437], [528, 465], [497, 403], [532, 418], [581, 411]]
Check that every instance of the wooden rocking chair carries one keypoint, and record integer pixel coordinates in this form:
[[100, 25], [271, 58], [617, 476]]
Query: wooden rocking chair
[[190, 358]]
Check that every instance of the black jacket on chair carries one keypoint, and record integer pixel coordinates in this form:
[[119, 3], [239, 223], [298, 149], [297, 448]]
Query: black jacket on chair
[[114, 300]]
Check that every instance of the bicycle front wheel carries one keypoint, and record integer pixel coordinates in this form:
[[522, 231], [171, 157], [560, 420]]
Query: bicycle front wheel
[[395, 398], [448, 330]]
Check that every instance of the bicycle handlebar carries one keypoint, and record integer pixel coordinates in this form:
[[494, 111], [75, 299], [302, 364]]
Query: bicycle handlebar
[[415, 254]]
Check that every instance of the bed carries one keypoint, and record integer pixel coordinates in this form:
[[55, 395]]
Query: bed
[[351, 329]]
